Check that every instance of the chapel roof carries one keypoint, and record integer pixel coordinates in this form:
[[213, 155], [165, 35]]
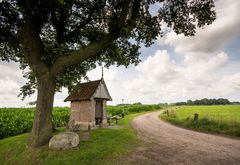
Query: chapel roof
[[84, 91]]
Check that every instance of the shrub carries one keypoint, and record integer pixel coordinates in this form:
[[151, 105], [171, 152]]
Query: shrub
[[134, 108]]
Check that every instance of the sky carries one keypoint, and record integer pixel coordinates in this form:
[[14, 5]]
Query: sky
[[175, 68]]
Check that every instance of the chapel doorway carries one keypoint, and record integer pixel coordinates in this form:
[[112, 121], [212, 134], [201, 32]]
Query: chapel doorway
[[98, 112]]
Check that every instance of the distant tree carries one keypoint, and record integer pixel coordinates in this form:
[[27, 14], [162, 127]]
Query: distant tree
[[180, 103], [196, 102], [58, 41], [235, 102], [214, 102], [206, 101], [163, 104], [138, 103], [223, 101], [189, 102]]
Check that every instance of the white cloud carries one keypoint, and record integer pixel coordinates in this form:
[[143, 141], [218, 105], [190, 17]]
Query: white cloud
[[158, 67], [187, 80], [233, 81], [213, 37], [10, 82], [8, 86]]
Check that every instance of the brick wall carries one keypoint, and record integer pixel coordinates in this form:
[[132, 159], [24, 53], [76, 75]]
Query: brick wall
[[82, 111]]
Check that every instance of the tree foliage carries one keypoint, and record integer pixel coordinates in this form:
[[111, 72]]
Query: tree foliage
[[205, 101], [66, 38]]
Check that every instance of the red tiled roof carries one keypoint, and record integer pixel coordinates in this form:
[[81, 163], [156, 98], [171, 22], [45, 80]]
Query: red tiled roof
[[84, 91]]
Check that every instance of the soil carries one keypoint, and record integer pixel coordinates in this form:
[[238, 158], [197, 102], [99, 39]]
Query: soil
[[168, 144]]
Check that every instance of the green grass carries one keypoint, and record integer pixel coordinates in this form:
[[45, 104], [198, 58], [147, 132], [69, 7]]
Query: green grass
[[108, 146], [219, 119]]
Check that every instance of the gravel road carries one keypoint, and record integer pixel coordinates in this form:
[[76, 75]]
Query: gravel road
[[168, 144]]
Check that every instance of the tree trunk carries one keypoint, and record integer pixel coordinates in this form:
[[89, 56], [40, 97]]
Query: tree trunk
[[42, 125]]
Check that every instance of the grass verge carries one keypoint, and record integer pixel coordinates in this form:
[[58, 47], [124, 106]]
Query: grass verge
[[212, 119], [108, 146]]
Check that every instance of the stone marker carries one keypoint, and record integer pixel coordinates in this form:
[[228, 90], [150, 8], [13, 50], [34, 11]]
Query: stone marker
[[196, 116], [167, 112], [65, 140]]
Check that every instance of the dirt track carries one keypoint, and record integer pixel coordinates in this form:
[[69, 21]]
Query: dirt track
[[168, 144]]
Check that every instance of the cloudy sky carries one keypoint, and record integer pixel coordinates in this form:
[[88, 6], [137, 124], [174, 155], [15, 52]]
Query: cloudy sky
[[175, 68]]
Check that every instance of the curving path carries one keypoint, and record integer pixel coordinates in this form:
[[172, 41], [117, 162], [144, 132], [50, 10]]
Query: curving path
[[168, 144]]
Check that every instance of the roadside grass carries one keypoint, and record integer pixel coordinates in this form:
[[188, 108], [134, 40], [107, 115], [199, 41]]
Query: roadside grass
[[108, 146], [221, 119]]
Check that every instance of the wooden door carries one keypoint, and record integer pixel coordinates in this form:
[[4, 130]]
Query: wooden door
[[98, 111]]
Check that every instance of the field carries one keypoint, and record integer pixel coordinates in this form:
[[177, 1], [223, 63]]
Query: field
[[108, 146], [215, 119], [14, 121]]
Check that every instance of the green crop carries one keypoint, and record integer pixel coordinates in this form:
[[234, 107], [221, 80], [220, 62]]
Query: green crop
[[14, 121]]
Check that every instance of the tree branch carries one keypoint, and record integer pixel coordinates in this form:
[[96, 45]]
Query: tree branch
[[94, 48], [32, 46], [81, 55], [124, 12], [134, 13]]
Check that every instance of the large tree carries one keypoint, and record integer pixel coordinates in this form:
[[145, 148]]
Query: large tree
[[57, 41]]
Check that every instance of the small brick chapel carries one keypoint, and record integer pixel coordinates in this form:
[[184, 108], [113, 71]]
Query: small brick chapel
[[88, 104]]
